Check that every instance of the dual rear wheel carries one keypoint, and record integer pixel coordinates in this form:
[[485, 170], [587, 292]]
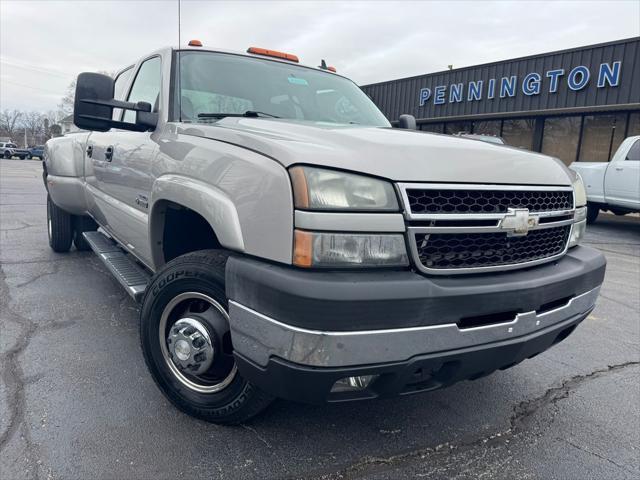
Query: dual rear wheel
[[65, 229]]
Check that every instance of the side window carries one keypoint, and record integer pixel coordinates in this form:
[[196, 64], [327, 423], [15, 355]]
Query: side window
[[634, 151], [146, 86], [122, 80]]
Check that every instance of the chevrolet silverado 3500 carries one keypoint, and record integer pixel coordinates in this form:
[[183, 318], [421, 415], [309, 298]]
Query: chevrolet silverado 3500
[[284, 241]]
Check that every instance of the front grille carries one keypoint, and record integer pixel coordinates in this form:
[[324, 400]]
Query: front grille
[[430, 201], [476, 250]]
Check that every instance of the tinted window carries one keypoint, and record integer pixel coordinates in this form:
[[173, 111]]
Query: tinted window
[[634, 151], [518, 132], [560, 138], [634, 125], [601, 136], [122, 80], [146, 87]]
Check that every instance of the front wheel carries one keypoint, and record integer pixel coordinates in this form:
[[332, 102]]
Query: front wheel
[[187, 345], [59, 227], [592, 212], [7, 155]]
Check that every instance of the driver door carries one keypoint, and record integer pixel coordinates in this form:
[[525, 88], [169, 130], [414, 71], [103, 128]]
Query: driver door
[[121, 163]]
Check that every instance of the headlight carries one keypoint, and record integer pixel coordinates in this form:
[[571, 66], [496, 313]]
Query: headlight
[[322, 249], [320, 189], [579, 192]]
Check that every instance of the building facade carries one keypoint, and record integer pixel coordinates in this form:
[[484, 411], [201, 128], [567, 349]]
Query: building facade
[[577, 104]]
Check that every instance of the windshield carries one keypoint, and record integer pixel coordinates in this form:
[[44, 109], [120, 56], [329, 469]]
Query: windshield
[[217, 83]]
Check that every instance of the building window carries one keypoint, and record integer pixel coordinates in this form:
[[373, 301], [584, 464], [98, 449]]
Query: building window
[[518, 132], [452, 128], [601, 137], [487, 127], [432, 127], [560, 138], [634, 125]]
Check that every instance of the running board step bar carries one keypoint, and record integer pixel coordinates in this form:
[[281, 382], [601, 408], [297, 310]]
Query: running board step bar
[[129, 274]]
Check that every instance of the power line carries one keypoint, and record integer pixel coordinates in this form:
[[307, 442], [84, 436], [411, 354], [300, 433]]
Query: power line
[[27, 66], [33, 88]]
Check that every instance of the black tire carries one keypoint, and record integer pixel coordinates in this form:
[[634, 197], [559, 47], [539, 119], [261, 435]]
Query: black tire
[[592, 212], [618, 212], [22, 157], [202, 272], [59, 227], [83, 224], [7, 155]]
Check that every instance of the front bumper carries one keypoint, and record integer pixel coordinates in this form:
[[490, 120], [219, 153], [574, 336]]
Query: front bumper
[[297, 332]]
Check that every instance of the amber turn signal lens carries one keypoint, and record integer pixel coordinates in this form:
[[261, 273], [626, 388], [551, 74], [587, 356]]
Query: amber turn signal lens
[[300, 190], [302, 249]]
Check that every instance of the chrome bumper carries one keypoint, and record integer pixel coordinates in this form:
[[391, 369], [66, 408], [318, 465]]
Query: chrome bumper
[[258, 337]]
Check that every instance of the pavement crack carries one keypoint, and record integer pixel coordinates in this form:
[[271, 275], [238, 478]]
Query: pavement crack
[[21, 227], [597, 455], [54, 271], [619, 302], [517, 424], [551, 396], [13, 377], [255, 432]]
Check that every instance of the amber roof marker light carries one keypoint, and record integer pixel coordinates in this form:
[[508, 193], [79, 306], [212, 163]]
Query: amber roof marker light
[[195, 43], [273, 53]]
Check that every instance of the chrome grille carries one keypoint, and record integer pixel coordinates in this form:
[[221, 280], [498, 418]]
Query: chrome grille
[[473, 250], [456, 228], [486, 201]]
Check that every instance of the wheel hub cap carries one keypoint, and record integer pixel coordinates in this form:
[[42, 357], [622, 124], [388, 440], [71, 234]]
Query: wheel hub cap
[[190, 346]]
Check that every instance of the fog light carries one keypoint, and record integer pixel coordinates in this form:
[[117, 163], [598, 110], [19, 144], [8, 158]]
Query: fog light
[[351, 384], [577, 232]]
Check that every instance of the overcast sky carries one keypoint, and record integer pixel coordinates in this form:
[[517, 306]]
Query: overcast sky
[[45, 44]]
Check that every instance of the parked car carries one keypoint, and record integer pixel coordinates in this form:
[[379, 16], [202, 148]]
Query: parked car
[[284, 241], [613, 186], [37, 151], [483, 138], [9, 150]]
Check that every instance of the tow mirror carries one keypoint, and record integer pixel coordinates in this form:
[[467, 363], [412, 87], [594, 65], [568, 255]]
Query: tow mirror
[[407, 121], [90, 88], [94, 103]]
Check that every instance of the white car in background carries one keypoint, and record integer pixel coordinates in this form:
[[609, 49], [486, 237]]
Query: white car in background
[[613, 186]]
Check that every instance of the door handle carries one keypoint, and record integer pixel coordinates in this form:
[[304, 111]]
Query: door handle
[[90, 151], [619, 168], [108, 153]]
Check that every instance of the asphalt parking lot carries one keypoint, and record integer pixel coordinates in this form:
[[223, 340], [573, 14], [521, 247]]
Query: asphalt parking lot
[[76, 400]]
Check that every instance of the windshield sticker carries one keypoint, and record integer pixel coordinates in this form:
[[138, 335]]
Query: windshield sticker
[[297, 81]]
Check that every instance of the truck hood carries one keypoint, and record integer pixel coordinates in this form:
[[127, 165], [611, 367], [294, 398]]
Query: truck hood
[[395, 154]]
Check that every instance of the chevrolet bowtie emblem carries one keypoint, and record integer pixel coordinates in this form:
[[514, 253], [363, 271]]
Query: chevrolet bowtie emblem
[[518, 222]]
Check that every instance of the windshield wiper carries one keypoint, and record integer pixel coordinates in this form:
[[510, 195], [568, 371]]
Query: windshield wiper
[[248, 113]]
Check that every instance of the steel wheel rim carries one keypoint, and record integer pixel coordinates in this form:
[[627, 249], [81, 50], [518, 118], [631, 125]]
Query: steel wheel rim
[[181, 377]]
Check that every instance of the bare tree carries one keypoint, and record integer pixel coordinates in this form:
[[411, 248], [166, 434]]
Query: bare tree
[[33, 122], [66, 103], [9, 122]]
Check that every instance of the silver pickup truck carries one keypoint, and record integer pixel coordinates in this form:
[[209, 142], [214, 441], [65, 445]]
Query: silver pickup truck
[[284, 241]]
